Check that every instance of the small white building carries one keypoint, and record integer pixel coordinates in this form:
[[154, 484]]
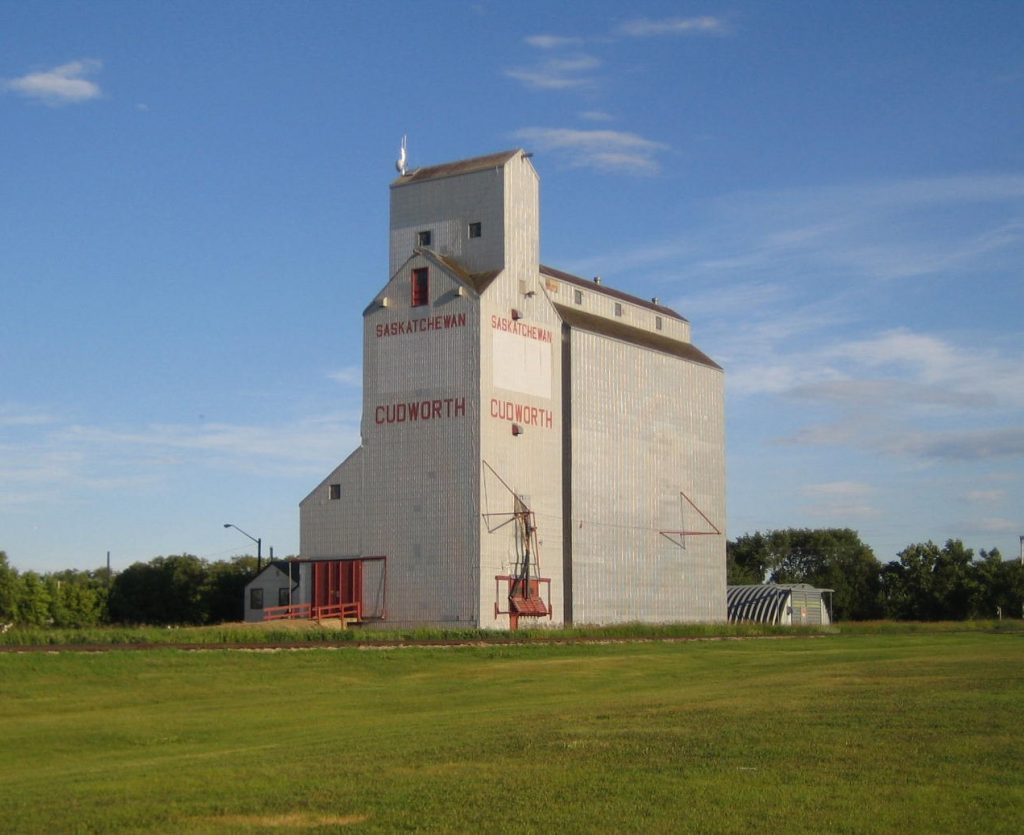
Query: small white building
[[534, 444], [271, 588]]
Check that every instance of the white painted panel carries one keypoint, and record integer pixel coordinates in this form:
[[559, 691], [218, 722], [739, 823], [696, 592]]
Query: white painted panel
[[522, 361]]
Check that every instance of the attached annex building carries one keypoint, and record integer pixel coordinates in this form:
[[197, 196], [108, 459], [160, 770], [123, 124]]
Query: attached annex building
[[534, 445]]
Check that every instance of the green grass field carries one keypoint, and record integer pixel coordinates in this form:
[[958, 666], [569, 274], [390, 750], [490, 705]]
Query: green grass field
[[858, 732]]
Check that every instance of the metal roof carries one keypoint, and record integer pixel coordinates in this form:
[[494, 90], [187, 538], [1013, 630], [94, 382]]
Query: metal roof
[[576, 318], [762, 604], [452, 169], [595, 287]]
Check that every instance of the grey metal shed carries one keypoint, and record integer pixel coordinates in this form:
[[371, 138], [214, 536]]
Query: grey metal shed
[[775, 603]]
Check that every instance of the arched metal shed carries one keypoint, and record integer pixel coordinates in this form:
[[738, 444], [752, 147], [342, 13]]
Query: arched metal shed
[[779, 604]]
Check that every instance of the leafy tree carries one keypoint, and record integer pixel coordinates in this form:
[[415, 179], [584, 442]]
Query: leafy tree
[[832, 558], [33, 607], [224, 589], [78, 598], [166, 590], [931, 583], [747, 560], [8, 591]]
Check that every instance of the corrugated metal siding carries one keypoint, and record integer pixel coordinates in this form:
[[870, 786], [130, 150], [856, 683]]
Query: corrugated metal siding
[[511, 382], [646, 427], [758, 604], [778, 604], [419, 479], [333, 527]]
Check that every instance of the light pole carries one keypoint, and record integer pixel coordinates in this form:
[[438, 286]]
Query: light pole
[[257, 540]]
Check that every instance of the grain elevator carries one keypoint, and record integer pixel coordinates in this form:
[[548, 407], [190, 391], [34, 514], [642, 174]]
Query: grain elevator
[[537, 448]]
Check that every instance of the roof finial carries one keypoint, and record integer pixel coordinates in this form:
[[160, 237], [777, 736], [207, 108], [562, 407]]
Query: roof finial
[[400, 162]]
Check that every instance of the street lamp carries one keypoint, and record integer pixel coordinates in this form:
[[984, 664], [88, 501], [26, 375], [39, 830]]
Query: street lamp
[[259, 545]]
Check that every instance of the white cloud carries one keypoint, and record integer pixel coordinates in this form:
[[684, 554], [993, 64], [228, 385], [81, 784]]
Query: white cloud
[[595, 116], [644, 28], [65, 84], [838, 488], [552, 41], [985, 496], [81, 459], [11, 416], [962, 445], [557, 73], [605, 150], [351, 375], [839, 499]]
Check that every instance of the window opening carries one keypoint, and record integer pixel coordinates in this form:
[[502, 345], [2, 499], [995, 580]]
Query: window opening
[[475, 229], [423, 238], [255, 598], [282, 597], [420, 284], [335, 492], [657, 322], [618, 309], [577, 296]]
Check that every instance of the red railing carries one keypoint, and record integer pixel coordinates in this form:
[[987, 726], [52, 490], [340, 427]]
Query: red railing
[[296, 611], [304, 611], [345, 611]]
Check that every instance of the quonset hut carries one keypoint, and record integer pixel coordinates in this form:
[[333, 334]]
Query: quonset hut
[[534, 445]]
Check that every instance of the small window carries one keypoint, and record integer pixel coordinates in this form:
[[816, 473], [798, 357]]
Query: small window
[[334, 492], [657, 322], [255, 598], [420, 287], [423, 238], [577, 296], [618, 309], [475, 229], [282, 596]]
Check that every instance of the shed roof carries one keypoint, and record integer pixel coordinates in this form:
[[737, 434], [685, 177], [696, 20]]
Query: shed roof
[[594, 287], [577, 318]]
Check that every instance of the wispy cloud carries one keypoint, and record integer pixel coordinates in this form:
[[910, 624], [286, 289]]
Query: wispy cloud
[[557, 73], [963, 445], [674, 26], [11, 416], [839, 499], [606, 150], [350, 375], [76, 459], [552, 41], [66, 84]]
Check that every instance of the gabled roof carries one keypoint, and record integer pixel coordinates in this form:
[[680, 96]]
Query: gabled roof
[[478, 281], [282, 566], [452, 169], [594, 287]]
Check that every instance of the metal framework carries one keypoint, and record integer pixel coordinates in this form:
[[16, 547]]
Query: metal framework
[[523, 584], [681, 542]]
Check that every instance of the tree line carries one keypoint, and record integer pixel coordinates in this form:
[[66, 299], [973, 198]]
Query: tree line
[[174, 590], [925, 582]]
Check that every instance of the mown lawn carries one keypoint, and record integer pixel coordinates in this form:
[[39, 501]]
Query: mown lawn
[[848, 733]]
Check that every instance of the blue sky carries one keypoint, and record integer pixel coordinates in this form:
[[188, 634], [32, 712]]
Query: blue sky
[[193, 214]]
